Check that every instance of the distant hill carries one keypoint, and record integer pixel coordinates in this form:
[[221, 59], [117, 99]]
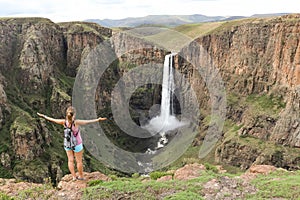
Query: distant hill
[[170, 20], [269, 15], [165, 20]]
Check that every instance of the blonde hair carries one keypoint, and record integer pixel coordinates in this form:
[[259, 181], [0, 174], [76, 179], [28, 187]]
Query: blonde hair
[[70, 113]]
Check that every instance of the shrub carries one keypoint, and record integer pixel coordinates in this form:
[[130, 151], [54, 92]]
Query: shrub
[[94, 182], [156, 175], [135, 175], [211, 167], [5, 197], [113, 177]]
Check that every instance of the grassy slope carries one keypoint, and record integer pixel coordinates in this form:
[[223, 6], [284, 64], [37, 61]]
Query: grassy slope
[[276, 185], [197, 30]]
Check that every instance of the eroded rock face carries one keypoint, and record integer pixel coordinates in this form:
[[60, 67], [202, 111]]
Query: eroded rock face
[[80, 36], [40, 54], [27, 140], [241, 155], [287, 129], [33, 48], [4, 107], [5, 160], [260, 58]]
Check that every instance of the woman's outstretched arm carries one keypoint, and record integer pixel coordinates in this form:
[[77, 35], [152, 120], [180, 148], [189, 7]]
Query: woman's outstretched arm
[[57, 121], [83, 122]]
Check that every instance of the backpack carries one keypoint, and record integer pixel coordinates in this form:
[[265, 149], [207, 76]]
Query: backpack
[[70, 140]]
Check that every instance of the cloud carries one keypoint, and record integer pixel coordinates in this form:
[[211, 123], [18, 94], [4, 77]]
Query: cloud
[[69, 10]]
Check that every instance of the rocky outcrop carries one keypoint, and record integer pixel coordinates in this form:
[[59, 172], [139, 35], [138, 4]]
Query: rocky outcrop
[[5, 160], [4, 107], [262, 169], [69, 189], [189, 171], [79, 36], [33, 48], [41, 52], [227, 188], [27, 140], [12, 187], [66, 189], [287, 129], [260, 53]]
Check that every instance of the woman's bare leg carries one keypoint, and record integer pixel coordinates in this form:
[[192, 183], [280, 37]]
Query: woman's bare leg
[[78, 157], [70, 155]]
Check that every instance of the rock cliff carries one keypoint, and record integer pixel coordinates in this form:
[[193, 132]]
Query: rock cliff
[[258, 60]]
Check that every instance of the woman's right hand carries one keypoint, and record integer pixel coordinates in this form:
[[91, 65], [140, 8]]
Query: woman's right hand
[[41, 115]]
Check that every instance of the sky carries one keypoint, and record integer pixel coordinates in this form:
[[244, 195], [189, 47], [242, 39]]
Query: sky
[[73, 10]]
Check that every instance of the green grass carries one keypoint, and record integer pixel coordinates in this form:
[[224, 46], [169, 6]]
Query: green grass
[[66, 82], [140, 188], [184, 195], [21, 20], [157, 174], [227, 25], [5, 173], [127, 65], [197, 30], [233, 99], [5, 197], [41, 192], [268, 104], [268, 149], [84, 27], [278, 184]]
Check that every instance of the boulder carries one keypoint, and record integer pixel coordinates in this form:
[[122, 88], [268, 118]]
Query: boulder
[[189, 171], [70, 189], [165, 178], [262, 169]]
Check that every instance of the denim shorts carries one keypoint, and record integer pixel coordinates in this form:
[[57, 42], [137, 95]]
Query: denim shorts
[[77, 149]]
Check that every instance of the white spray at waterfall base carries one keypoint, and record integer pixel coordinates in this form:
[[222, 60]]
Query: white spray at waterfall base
[[166, 120]]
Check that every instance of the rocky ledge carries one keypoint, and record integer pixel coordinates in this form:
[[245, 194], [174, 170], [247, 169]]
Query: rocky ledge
[[215, 188]]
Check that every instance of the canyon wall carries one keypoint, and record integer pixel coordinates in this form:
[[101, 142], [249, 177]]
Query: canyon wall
[[259, 62]]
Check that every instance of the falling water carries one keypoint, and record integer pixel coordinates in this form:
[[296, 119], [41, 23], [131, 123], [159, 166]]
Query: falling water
[[166, 120]]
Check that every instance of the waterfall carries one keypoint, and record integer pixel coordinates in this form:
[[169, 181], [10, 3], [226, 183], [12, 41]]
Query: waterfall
[[166, 120], [166, 109]]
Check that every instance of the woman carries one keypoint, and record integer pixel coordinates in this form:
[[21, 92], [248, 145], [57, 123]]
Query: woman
[[70, 121]]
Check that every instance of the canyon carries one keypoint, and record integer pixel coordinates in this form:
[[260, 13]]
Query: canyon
[[258, 60]]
